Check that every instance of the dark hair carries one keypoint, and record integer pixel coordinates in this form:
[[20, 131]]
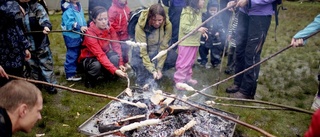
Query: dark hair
[[157, 9], [194, 4], [97, 10]]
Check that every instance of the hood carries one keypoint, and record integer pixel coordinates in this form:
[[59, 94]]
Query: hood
[[116, 3], [212, 4]]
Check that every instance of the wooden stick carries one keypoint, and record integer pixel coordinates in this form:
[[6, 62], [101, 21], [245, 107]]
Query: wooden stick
[[212, 103], [73, 31], [190, 33], [140, 105], [223, 116], [260, 62], [260, 102]]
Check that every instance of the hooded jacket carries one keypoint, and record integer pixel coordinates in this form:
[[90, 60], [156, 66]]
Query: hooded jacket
[[156, 40], [92, 47], [13, 42], [118, 18], [36, 19], [189, 20], [70, 17]]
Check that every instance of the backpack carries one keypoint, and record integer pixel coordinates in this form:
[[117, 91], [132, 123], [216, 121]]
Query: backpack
[[134, 17], [277, 6]]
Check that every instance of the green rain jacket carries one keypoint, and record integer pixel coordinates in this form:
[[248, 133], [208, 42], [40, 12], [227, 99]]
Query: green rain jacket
[[157, 40]]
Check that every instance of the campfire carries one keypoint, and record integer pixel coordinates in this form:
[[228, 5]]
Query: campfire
[[163, 117]]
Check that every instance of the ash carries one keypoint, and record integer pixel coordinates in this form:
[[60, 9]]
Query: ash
[[208, 125]]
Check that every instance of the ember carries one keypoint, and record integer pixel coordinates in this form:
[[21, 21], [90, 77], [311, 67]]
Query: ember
[[176, 118]]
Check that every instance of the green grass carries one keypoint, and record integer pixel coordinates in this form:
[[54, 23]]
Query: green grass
[[289, 79]]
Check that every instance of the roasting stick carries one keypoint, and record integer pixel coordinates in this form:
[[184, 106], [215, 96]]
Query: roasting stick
[[189, 125], [132, 126], [128, 42], [258, 101], [212, 103], [254, 65], [163, 52], [138, 104], [223, 116]]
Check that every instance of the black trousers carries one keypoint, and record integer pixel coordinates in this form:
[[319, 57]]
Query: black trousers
[[251, 33], [93, 68]]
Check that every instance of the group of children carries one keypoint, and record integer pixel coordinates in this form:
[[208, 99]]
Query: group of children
[[210, 37]]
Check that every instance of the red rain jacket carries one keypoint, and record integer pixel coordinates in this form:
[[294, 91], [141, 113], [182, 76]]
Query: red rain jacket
[[118, 18], [314, 128], [92, 47]]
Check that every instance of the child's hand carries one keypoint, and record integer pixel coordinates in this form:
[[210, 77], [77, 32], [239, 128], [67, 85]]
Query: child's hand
[[242, 3], [46, 30], [217, 34], [296, 42], [122, 68], [83, 29], [205, 35], [28, 55], [203, 30]]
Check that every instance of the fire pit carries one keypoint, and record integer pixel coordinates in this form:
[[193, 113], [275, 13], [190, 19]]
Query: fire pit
[[173, 116]]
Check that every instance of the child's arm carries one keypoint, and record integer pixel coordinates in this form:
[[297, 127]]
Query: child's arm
[[43, 18]]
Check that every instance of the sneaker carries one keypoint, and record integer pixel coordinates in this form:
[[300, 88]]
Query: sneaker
[[192, 82], [316, 103], [199, 59], [208, 66], [74, 78], [233, 89]]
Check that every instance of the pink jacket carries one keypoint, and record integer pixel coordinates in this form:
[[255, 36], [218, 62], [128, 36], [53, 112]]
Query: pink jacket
[[118, 18]]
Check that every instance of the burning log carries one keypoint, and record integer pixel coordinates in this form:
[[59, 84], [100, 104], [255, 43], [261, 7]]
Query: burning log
[[157, 97], [180, 131], [168, 101], [175, 109], [117, 125], [132, 126]]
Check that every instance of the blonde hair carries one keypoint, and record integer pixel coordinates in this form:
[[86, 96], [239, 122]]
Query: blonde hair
[[18, 92]]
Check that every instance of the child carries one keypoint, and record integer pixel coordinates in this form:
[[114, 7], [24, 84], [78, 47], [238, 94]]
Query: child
[[41, 62], [118, 19], [187, 49], [232, 44], [101, 57], [73, 19], [213, 43]]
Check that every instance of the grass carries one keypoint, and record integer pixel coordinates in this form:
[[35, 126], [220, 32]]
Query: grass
[[289, 79]]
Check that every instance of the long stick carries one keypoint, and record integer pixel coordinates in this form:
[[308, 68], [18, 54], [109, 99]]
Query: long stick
[[223, 116], [212, 103], [140, 105], [161, 53], [259, 101], [73, 31], [260, 62]]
